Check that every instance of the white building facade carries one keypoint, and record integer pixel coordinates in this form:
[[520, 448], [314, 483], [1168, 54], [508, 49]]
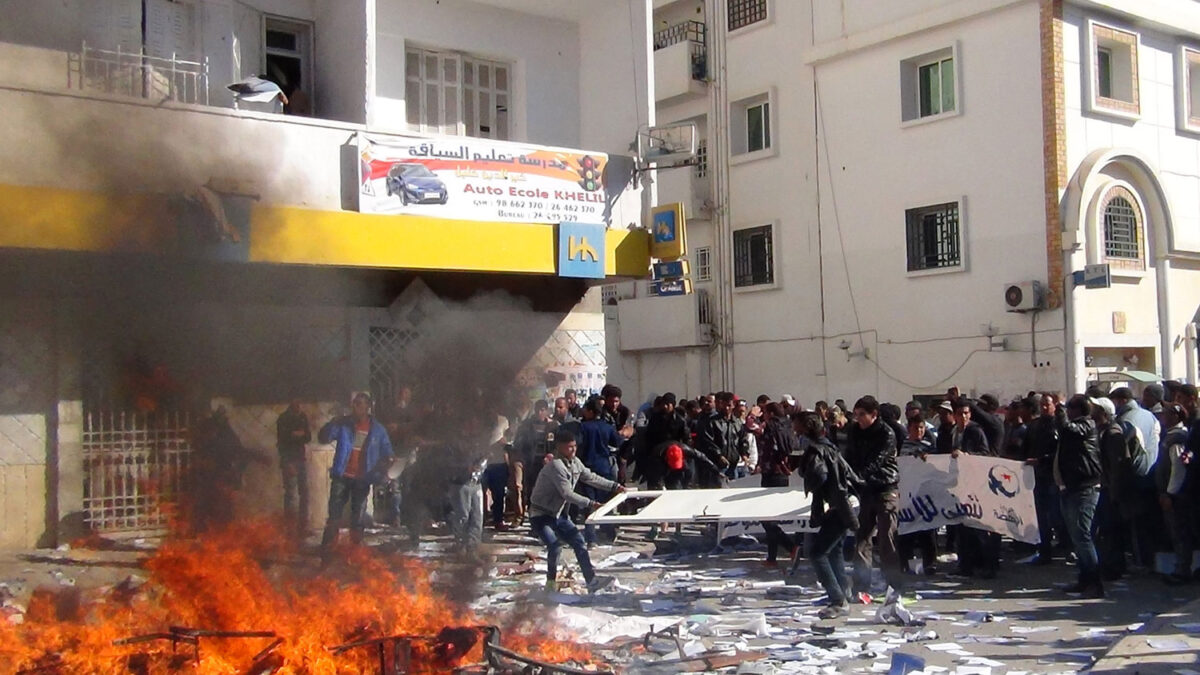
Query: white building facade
[[877, 176]]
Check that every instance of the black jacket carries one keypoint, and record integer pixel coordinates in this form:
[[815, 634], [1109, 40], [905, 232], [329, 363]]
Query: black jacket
[[992, 425], [871, 452], [945, 439], [720, 438], [1041, 443], [1078, 451], [973, 441], [830, 480], [661, 429]]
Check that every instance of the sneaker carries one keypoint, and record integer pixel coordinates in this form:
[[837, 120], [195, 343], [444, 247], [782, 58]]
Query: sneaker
[[834, 611], [599, 583]]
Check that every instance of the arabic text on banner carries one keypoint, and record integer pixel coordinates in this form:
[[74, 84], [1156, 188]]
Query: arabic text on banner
[[477, 179], [985, 493]]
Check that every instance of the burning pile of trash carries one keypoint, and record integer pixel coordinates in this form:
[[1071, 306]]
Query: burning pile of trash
[[240, 601]]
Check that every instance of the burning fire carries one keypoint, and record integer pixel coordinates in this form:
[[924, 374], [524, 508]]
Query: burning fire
[[245, 579]]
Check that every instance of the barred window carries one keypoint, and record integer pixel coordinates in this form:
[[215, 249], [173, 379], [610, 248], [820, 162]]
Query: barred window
[[702, 159], [753, 251], [742, 13], [933, 237], [1121, 229], [704, 263]]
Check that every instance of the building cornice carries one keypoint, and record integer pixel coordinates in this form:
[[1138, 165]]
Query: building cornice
[[1175, 17], [910, 25]]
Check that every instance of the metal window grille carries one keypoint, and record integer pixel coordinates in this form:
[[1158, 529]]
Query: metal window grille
[[704, 307], [388, 357], [752, 257], [139, 75], [745, 12], [933, 237], [702, 159], [1121, 230], [704, 263], [135, 469]]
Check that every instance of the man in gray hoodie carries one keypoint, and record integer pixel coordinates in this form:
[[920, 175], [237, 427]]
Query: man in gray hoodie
[[554, 489]]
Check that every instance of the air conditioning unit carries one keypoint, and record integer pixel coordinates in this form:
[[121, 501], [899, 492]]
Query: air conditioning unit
[[1024, 296]]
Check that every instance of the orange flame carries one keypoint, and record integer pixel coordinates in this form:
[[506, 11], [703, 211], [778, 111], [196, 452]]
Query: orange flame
[[243, 579]]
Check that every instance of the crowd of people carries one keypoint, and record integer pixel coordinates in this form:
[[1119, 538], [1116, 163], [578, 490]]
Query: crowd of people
[[1115, 480]]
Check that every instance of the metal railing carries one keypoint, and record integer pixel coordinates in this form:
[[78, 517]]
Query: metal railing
[[139, 75], [693, 33]]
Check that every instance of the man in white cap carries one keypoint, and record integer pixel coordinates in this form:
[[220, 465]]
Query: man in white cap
[[789, 403]]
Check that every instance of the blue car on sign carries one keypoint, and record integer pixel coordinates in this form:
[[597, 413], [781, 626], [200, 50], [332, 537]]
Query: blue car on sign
[[414, 183]]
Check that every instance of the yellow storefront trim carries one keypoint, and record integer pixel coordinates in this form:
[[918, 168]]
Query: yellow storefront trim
[[72, 220]]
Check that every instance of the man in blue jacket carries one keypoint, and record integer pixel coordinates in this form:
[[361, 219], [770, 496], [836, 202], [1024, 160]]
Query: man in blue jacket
[[362, 451]]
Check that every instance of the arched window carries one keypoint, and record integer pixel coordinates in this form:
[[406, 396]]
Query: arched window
[[1122, 220]]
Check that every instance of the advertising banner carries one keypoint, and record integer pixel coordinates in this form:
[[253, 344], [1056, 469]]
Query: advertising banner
[[986, 493], [477, 179]]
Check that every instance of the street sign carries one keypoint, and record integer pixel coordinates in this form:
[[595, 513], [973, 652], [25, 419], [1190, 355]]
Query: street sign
[[668, 232], [1097, 276], [672, 269], [674, 287], [1093, 276]]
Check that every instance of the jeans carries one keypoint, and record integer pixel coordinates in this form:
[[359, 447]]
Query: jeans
[[1079, 510], [828, 561], [737, 471], [495, 479], [877, 515], [295, 490], [1049, 514], [466, 513], [1110, 533], [341, 492], [554, 533], [516, 488], [589, 531], [1180, 521]]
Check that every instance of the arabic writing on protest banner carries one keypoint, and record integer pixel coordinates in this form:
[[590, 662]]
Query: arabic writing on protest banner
[[985, 493], [477, 179]]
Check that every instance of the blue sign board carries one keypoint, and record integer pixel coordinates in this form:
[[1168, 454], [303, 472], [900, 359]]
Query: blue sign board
[[581, 250], [1093, 276], [675, 287], [674, 269]]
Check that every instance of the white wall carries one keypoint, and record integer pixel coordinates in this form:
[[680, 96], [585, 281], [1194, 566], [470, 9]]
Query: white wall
[[615, 83], [928, 328], [545, 54], [344, 51], [1170, 158]]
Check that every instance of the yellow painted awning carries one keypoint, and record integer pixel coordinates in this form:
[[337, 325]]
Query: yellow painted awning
[[45, 218]]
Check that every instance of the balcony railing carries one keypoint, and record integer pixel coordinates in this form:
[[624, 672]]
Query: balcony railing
[[139, 75], [693, 33]]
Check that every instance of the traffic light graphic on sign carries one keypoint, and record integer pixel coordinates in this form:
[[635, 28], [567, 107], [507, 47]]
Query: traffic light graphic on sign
[[589, 173]]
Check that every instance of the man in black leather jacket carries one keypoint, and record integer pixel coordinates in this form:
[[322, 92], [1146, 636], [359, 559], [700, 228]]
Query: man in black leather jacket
[[1077, 472], [871, 452]]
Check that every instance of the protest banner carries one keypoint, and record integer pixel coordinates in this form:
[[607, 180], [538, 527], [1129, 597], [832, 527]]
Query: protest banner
[[986, 493]]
